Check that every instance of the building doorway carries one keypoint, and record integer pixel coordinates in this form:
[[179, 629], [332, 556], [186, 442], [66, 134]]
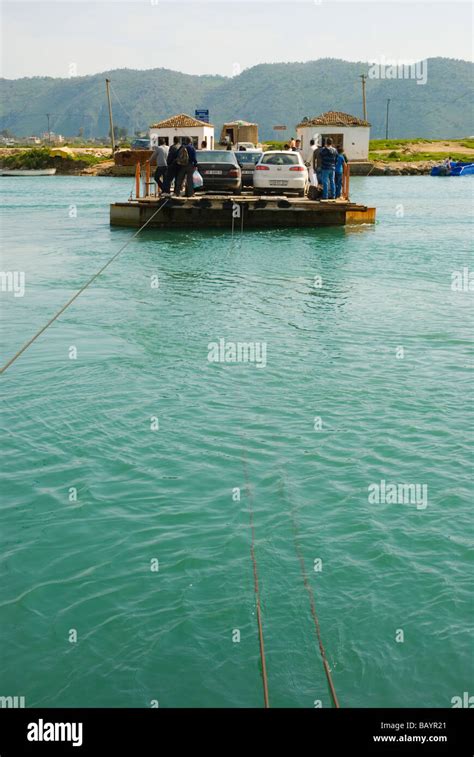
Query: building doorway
[[337, 139]]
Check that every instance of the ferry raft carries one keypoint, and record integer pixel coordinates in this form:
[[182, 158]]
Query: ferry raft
[[242, 211], [227, 211]]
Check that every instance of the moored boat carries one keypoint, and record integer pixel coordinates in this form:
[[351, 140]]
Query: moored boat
[[457, 169], [28, 171]]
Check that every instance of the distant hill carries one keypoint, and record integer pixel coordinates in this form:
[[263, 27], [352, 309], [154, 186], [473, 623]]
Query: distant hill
[[273, 93]]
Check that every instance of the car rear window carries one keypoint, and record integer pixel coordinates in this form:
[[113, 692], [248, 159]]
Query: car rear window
[[248, 157], [216, 156], [281, 159]]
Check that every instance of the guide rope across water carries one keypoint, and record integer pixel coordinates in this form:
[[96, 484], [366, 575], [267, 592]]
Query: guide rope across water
[[266, 701], [76, 295], [312, 601]]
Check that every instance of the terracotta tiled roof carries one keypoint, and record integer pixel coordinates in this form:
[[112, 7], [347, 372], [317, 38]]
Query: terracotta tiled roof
[[334, 118], [178, 122]]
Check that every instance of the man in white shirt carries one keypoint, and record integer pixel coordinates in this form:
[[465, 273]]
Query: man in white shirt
[[160, 154], [309, 162]]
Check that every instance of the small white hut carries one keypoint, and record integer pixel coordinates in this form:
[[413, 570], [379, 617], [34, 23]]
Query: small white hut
[[350, 132], [183, 125]]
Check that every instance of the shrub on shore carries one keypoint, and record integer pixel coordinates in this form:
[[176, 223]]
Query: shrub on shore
[[40, 157], [274, 145]]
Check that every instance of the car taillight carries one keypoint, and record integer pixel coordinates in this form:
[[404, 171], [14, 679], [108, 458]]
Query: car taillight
[[233, 172], [297, 168], [262, 168]]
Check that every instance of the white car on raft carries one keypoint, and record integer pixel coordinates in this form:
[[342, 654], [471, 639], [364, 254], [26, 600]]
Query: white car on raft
[[280, 171]]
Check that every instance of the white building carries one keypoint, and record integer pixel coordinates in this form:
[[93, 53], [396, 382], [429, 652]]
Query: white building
[[350, 132], [50, 136], [183, 125]]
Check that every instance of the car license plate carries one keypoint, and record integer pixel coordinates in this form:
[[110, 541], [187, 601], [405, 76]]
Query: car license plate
[[247, 173], [278, 183], [215, 172]]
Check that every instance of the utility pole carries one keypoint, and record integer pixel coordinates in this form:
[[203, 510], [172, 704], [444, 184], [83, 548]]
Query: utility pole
[[386, 119], [49, 130], [364, 102], [112, 136]]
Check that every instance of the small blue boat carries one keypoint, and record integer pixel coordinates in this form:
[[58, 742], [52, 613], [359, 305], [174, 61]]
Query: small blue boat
[[457, 169]]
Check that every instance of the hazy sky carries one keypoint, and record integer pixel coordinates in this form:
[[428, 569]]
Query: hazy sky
[[223, 37]]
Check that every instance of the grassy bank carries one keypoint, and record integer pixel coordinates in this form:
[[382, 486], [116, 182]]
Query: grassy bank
[[416, 157], [391, 144], [36, 158], [421, 150]]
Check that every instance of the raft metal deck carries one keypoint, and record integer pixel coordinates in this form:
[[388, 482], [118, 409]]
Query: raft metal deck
[[246, 210]]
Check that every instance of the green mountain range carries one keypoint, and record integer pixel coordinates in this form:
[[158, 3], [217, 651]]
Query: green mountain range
[[269, 94]]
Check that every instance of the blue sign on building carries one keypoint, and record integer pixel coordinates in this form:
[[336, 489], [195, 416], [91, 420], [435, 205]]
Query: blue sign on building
[[202, 115]]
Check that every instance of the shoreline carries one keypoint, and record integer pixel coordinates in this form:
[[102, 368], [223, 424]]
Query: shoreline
[[109, 169], [367, 169], [385, 158]]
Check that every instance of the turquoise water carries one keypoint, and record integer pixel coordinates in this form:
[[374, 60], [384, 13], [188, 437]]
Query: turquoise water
[[166, 494]]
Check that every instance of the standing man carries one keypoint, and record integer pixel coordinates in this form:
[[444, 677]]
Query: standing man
[[172, 167], [317, 162], [328, 166], [186, 161], [160, 154], [309, 163], [340, 161]]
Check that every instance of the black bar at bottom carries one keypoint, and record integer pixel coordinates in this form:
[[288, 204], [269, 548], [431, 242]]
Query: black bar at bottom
[[151, 731]]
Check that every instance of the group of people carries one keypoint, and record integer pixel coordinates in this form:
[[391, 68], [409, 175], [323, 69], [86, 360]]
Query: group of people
[[294, 145], [179, 161], [175, 163], [325, 165]]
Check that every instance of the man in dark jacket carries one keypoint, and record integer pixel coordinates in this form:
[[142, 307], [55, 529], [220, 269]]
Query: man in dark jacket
[[328, 165], [186, 161], [172, 166], [317, 162]]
